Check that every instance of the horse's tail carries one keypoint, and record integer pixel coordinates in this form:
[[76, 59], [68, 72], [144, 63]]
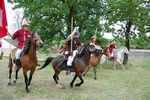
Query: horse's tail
[[48, 60]]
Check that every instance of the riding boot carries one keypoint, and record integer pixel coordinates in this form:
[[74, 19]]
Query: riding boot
[[17, 62], [68, 70]]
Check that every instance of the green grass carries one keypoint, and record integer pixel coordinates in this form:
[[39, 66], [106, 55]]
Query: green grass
[[131, 84]]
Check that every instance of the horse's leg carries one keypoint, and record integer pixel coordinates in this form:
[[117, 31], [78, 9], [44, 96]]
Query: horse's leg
[[30, 77], [86, 70], [94, 69], [114, 63], [102, 61], [16, 77], [10, 72], [10, 66], [55, 76], [80, 77], [121, 64], [75, 77], [26, 80]]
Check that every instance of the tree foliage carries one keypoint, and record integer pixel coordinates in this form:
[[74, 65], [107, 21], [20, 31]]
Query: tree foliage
[[133, 17], [52, 18]]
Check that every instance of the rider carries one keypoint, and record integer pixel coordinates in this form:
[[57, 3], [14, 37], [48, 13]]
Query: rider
[[93, 40], [72, 45], [112, 48], [21, 35]]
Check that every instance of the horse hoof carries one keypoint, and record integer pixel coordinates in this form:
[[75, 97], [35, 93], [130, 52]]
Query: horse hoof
[[95, 78], [77, 85], [9, 83], [60, 86], [71, 85], [15, 81], [27, 91]]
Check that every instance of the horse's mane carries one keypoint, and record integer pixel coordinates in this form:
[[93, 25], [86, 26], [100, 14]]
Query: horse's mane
[[122, 47], [27, 45], [81, 51]]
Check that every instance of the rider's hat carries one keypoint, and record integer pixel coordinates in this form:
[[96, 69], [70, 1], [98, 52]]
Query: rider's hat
[[113, 42], [93, 37], [25, 25]]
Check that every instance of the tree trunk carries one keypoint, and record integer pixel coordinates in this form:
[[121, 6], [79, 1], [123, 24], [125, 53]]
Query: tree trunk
[[127, 40]]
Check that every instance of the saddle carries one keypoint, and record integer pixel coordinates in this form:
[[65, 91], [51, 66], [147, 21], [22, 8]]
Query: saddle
[[63, 60]]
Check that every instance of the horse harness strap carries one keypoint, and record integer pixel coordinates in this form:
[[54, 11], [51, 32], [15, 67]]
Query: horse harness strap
[[81, 63]]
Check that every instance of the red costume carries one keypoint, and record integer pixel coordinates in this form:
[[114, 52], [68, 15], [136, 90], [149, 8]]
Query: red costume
[[22, 36], [75, 45], [111, 47], [0, 43], [93, 41]]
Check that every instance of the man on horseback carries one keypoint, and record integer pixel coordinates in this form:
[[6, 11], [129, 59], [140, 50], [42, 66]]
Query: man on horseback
[[112, 48], [22, 36], [72, 45], [93, 40]]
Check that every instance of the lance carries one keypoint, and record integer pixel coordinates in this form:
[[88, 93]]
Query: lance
[[71, 34]]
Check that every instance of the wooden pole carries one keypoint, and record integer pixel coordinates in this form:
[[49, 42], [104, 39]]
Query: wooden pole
[[71, 33]]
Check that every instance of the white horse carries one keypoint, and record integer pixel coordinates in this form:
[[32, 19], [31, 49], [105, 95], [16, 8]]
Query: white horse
[[119, 54]]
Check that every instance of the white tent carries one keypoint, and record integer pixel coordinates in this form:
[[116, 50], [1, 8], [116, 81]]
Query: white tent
[[6, 47]]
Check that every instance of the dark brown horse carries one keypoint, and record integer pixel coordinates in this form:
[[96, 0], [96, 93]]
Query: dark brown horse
[[95, 60], [80, 63], [28, 59]]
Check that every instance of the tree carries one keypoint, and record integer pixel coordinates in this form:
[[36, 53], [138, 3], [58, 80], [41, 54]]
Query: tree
[[132, 15], [53, 17]]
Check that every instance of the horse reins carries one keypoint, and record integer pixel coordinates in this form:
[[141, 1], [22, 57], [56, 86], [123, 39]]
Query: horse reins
[[81, 63]]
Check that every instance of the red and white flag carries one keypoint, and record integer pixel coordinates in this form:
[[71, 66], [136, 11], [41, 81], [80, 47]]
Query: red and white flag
[[3, 20]]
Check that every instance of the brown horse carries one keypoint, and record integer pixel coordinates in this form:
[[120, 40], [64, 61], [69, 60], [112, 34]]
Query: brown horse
[[11, 64], [95, 60], [80, 63], [28, 59]]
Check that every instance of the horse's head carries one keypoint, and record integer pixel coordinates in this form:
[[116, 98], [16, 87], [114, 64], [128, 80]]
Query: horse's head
[[94, 49], [36, 39], [106, 52], [126, 50]]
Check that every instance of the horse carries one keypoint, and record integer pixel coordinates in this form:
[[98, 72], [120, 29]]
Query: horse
[[119, 56], [81, 61], [28, 59], [94, 61]]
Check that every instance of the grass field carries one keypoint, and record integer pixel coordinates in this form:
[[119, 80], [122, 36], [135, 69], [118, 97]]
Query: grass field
[[132, 84]]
